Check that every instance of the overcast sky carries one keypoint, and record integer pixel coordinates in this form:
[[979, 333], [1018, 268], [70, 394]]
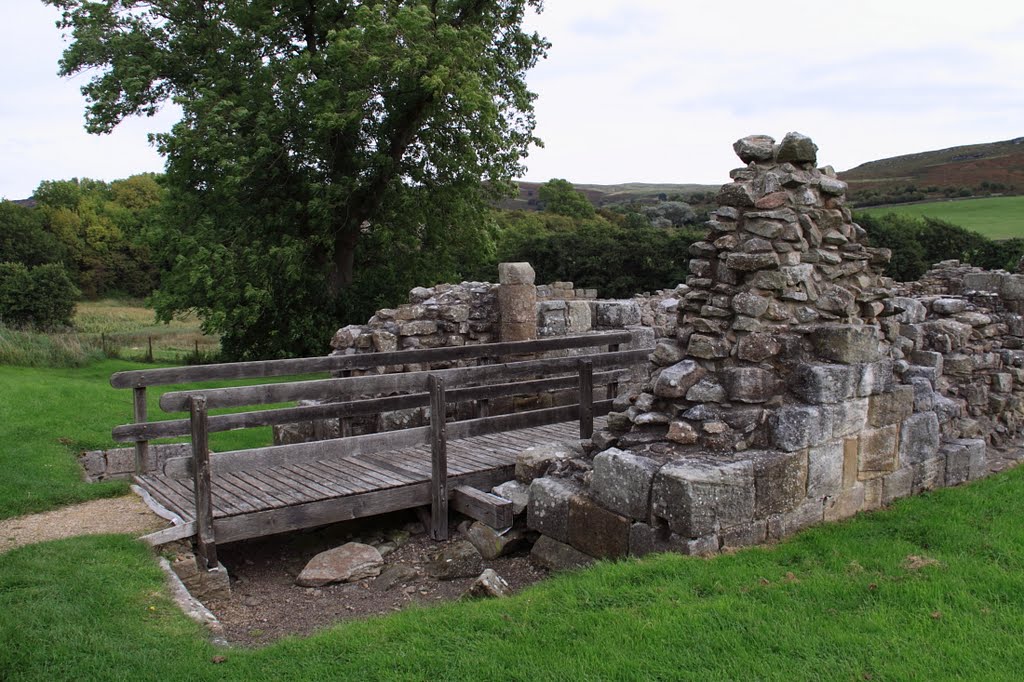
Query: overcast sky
[[640, 90]]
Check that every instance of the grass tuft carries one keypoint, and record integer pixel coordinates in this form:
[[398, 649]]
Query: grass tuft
[[35, 349]]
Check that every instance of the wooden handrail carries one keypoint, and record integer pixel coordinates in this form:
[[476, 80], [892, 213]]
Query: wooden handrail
[[276, 368]]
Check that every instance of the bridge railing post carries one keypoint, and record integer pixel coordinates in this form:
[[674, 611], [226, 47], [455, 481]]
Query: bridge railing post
[[586, 398], [202, 488], [438, 459]]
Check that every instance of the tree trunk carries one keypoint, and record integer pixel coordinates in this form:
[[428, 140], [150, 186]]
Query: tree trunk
[[344, 261]]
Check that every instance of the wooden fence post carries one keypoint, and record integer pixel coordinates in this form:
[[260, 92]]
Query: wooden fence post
[[438, 460], [613, 388], [586, 399], [205, 543], [142, 463]]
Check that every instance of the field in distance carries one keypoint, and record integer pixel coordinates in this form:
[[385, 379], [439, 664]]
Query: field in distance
[[994, 217]]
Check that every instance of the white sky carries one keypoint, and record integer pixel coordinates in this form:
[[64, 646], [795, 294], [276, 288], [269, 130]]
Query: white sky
[[640, 90]]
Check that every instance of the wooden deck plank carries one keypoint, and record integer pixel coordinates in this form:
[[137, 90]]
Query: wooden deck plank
[[249, 503]]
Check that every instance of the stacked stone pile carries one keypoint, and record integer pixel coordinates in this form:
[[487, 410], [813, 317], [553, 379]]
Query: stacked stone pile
[[797, 388]]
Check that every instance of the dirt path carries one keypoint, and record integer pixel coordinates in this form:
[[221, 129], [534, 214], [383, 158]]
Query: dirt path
[[127, 514]]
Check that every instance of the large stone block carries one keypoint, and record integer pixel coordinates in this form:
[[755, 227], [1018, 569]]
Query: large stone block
[[964, 457], [708, 347], [645, 539], [675, 381], [749, 384], [616, 314], [780, 481], [919, 438], [929, 474], [799, 426], [516, 273], [897, 485], [596, 531], [558, 556], [848, 418], [876, 452], [698, 496], [825, 470], [846, 343], [808, 514], [846, 504], [744, 535], [548, 509], [874, 378], [823, 384], [891, 407], [621, 482], [797, 148]]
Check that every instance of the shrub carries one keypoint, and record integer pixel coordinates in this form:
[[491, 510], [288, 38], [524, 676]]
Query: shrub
[[43, 296]]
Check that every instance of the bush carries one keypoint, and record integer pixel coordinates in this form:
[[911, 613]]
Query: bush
[[43, 296]]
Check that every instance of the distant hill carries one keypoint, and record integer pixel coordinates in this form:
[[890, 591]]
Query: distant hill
[[999, 165], [599, 195]]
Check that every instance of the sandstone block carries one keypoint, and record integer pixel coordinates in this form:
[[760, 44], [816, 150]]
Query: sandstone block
[[966, 460], [616, 314], [876, 452], [847, 343], [517, 492], [848, 417], [874, 378], [675, 381], [744, 535], [758, 347], [548, 509], [558, 556], [808, 514], [825, 470], [749, 262], [749, 384], [929, 474], [919, 438], [846, 504], [797, 427], [891, 407], [821, 384], [621, 482], [897, 485], [516, 273], [708, 347], [696, 497], [780, 481], [596, 531], [578, 317]]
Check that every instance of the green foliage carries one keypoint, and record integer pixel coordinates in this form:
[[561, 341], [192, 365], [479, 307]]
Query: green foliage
[[30, 348], [308, 130], [919, 243], [43, 296], [24, 237], [560, 197], [617, 258]]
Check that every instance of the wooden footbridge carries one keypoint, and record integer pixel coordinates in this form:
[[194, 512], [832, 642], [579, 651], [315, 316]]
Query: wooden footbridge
[[219, 497]]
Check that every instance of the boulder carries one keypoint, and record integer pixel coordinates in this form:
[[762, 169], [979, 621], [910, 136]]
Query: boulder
[[457, 560], [351, 562], [488, 585]]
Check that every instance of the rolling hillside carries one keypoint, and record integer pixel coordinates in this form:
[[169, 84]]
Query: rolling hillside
[[998, 163]]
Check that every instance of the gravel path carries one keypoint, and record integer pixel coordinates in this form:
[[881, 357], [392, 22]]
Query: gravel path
[[127, 514]]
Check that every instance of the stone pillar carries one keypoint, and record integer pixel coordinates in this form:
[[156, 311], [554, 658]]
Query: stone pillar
[[517, 302]]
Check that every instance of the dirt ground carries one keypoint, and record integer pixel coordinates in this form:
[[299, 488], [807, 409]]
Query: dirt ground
[[266, 604]]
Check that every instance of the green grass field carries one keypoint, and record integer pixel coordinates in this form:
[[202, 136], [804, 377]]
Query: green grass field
[[841, 602], [48, 415], [995, 217]]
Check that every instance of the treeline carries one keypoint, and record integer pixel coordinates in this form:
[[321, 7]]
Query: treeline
[[904, 194], [619, 250], [79, 238], [919, 243]]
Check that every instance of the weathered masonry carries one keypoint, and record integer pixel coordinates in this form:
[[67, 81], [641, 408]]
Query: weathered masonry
[[800, 386]]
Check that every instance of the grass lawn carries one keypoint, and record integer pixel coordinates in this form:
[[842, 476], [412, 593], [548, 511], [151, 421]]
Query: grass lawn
[[49, 415], [932, 589], [995, 217]]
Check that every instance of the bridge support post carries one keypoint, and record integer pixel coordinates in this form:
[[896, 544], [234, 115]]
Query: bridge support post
[[586, 399], [206, 545], [438, 460]]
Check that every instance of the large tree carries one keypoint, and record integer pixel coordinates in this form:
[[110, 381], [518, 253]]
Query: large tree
[[311, 130]]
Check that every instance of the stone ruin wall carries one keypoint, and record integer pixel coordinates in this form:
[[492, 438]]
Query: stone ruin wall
[[800, 385], [515, 309]]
